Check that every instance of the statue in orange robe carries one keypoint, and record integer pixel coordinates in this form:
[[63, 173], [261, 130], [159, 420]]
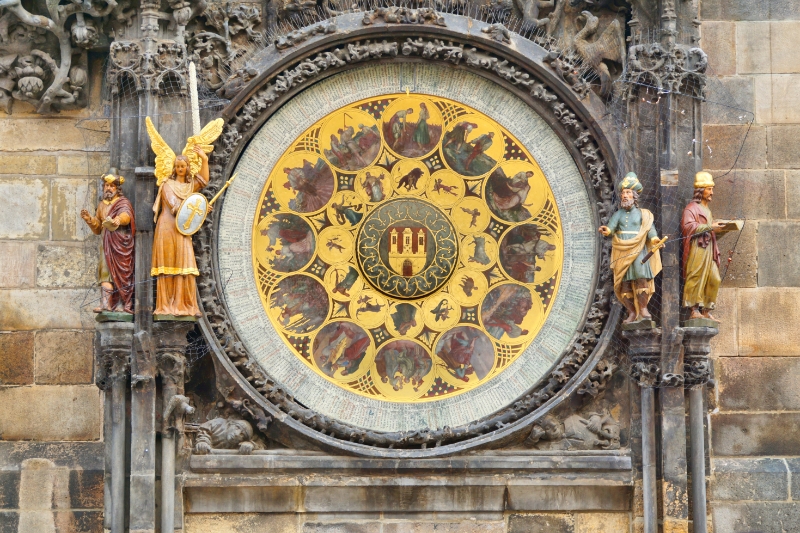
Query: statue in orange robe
[[174, 264]]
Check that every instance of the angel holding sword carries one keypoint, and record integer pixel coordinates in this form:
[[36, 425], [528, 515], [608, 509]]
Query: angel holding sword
[[177, 176]]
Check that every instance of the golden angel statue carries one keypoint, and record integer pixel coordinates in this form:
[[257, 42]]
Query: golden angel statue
[[178, 177]]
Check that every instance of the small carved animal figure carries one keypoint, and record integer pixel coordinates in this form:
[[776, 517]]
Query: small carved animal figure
[[409, 181]]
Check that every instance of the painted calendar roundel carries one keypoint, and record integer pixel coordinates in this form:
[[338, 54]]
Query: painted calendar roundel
[[407, 256]]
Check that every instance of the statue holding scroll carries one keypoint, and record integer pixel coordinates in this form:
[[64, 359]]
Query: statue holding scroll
[[178, 177], [633, 262], [113, 221]]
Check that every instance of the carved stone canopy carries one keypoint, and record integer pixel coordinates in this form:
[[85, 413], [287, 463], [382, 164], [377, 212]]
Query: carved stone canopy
[[515, 75]]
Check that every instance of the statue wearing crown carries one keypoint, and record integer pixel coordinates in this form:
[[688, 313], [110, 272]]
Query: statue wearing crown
[[113, 221], [177, 217], [635, 259]]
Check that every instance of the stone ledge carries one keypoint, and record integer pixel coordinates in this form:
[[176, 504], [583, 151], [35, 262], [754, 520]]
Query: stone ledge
[[270, 482]]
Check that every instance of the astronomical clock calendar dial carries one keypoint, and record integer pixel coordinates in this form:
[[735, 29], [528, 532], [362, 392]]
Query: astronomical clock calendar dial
[[400, 260]]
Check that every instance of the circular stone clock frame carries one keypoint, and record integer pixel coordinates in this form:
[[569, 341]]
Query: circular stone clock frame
[[456, 41]]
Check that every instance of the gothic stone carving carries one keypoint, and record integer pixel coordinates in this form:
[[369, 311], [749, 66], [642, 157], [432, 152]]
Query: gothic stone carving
[[224, 434], [242, 124], [595, 429]]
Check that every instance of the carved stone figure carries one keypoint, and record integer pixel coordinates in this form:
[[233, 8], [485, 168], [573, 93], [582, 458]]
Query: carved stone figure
[[631, 228], [114, 221], [224, 434], [173, 256], [610, 46], [700, 252]]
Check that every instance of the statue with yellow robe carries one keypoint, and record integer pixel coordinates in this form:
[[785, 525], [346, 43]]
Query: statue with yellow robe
[[173, 263], [701, 276], [631, 229]]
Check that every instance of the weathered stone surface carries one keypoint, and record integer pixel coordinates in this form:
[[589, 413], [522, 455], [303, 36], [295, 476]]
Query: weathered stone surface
[[726, 343], [719, 42], [778, 249], [91, 164], [761, 332], [601, 522], [758, 383], [729, 100], [777, 98], [756, 516], [404, 498], [67, 266], [242, 499], [86, 456], [17, 260], [64, 357], [27, 164], [25, 208], [443, 525], [27, 309], [755, 434], [784, 146], [784, 10], [241, 523], [9, 522], [749, 479], [734, 145], [576, 497], [86, 489], [9, 490], [541, 523], [793, 194], [752, 46], [342, 527], [759, 194], [733, 10], [51, 413], [16, 358], [69, 196], [742, 271], [785, 59], [24, 135], [794, 478]]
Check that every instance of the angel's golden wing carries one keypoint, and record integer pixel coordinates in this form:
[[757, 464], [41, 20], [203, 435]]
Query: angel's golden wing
[[205, 140], [165, 157]]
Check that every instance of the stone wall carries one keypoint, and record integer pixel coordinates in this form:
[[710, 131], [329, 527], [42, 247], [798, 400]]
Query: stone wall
[[752, 49], [51, 450]]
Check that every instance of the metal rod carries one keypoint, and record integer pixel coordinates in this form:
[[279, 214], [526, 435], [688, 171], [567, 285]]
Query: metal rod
[[649, 460], [118, 448], [697, 442]]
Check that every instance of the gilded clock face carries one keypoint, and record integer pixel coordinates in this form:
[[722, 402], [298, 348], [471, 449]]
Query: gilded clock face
[[407, 248]]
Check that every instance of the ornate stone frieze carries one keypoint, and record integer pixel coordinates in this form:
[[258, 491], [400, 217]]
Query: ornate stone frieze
[[404, 15], [293, 38], [147, 70], [671, 68], [304, 72]]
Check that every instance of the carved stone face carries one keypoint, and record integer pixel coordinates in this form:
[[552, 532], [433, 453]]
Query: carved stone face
[[109, 191]]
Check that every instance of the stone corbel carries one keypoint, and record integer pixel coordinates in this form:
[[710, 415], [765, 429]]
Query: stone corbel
[[644, 351], [697, 348], [113, 357]]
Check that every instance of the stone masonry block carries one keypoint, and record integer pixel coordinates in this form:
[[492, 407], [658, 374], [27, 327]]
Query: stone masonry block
[[767, 321], [755, 434], [28, 309], [759, 194], [242, 523], [776, 379], [55, 134], [51, 413], [784, 10], [778, 249], [742, 271], [794, 470], [92, 164], [27, 164], [793, 194], [541, 523], [25, 208], [734, 145], [754, 517], [16, 358], [753, 45], [86, 489], [67, 266], [734, 10], [601, 522], [442, 526], [749, 479], [17, 260], [729, 100], [64, 357], [784, 146], [783, 38], [69, 196], [719, 42], [777, 98]]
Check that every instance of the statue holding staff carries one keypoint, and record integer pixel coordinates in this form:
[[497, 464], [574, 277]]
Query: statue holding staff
[[633, 264], [113, 220]]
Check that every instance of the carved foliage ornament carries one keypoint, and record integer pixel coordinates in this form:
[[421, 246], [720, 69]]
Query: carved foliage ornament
[[307, 70]]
